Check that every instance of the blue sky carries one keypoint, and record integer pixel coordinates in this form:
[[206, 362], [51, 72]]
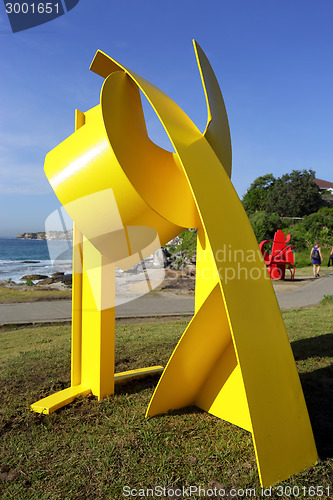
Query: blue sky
[[273, 60]]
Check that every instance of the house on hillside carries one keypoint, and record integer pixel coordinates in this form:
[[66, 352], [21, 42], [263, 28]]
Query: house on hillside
[[326, 189]]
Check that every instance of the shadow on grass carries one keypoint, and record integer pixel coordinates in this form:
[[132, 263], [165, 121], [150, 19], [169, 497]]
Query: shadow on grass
[[321, 346], [187, 410], [318, 387], [136, 386]]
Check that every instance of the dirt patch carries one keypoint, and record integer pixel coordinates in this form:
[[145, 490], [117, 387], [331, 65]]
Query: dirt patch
[[178, 281]]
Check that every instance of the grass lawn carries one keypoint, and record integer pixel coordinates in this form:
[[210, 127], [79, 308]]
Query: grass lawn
[[13, 295], [91, 450], [308, 271]]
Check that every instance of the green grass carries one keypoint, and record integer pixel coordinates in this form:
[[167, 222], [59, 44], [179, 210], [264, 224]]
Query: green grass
[[91, 450], [13, 295], [302, 257], [328, 299], [305, 272]]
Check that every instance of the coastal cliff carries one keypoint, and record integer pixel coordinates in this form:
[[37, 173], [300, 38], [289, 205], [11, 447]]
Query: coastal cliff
[[31, 236], [51, 235]]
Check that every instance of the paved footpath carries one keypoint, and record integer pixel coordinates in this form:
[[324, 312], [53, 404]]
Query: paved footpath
[[308, 295], [157, 304]]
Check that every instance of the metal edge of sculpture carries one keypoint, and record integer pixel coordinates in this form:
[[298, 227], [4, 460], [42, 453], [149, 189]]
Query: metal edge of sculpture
[[234, 359]]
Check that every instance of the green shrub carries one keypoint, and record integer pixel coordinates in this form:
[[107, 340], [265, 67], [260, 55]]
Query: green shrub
[[317, 226], [188, 245], [302, 257], [265, 225], [29, 282]]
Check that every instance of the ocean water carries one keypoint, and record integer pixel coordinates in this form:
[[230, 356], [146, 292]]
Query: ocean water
[[21, 257]]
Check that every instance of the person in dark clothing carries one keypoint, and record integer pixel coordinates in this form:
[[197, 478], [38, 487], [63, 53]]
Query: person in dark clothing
[[317, 258], [330, 259]]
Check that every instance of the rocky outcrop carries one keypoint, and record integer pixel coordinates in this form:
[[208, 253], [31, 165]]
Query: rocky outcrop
[[33, 277], [50, 235], [66, 279], [41, 279], [31, 236]]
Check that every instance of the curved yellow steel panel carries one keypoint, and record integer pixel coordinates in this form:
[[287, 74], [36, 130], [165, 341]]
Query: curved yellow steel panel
[[234, 359], [142, 160], [217, 130]]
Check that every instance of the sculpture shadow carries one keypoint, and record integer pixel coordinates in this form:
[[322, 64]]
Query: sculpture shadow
[[136, 386], [186, 410], [318, 390], [300, 280], [321, 346]]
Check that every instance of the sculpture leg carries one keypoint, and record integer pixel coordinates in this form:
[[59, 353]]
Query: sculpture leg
[[98, 322], [93, 325]]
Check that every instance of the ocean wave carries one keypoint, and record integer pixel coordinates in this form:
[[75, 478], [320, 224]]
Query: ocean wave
[[15, 270]]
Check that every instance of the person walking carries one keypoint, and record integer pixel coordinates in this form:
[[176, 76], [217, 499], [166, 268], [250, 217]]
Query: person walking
[[330, 258], [317, 258]]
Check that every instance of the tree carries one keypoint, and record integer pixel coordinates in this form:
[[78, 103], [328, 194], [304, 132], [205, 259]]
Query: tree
[[264, 225], [316, 226], [255, 199], [294, 195]]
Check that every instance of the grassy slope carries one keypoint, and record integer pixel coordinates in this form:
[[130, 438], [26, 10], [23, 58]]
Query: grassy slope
[[13, 295], [91, 450]]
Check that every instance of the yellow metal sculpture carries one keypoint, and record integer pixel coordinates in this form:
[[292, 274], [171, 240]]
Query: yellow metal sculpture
[[234, 360]]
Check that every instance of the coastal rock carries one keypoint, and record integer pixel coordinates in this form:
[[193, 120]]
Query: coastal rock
[[23, 287], [190, 270], [11, 284], [34, 277], [48, 281], [66, 279], [31, 236], [50, 235], [161, 258]]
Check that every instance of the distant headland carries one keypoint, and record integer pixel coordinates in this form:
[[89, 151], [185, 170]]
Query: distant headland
[[31, 236], [50, 235]]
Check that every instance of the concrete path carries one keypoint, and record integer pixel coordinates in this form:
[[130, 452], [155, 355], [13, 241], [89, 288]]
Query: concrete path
[[307, 295], [157, 304]]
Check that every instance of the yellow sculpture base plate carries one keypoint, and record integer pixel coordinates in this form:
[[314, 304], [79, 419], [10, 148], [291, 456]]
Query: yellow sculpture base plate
[[123, 377], [52, 403], [62, 398]]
